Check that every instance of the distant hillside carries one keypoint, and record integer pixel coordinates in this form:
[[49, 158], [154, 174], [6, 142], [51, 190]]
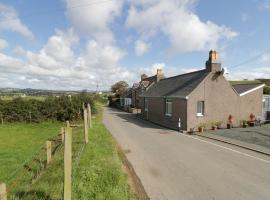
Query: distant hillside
[[265, 81]]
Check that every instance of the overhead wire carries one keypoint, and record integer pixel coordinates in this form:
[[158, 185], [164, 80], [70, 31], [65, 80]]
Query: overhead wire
[[45, 12], [249, 60]]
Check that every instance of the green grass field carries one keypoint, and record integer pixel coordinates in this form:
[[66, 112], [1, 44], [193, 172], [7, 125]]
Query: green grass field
[[19, 142], [97, 171]]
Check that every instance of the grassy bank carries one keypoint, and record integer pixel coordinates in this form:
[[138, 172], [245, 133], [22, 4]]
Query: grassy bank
[[99, 174], [19, 142], [97, 171]]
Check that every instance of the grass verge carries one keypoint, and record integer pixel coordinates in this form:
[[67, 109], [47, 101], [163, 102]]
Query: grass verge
[[97, 170]]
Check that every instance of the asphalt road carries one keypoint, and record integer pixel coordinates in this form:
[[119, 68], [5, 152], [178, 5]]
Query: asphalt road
[[175, 166]]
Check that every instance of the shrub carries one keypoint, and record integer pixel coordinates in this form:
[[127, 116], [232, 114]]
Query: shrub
[[60, 108]]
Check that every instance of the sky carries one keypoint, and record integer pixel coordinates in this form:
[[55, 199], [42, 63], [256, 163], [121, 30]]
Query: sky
[[79, 44]]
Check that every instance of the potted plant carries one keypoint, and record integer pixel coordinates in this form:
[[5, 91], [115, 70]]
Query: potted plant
[[201, 127], [218, 124], [214, 126], [252, 119], [244, 123], [230, 122]]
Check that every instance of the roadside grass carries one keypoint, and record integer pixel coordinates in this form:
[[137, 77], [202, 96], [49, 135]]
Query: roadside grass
[[97, 171], [18, 144], [99, 174]]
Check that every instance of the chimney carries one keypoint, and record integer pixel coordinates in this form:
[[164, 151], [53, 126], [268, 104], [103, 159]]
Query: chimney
[[213, 64], [160, 75], [143, 76]]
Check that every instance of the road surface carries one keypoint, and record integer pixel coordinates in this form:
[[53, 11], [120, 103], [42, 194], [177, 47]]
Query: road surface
[[176, 166]]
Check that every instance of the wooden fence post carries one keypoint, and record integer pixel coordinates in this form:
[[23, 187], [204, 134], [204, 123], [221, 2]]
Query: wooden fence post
[[62, 134], [49, 151], [89, 115], [3, 191], [67, 163], [85, 125], [67, 122], [2, 119]]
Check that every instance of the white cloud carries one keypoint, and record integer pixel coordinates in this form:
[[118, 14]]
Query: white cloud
[[250, 73], [141, 47], [94, 20], [19, 50], [265, 58], [3, 44], [56, 65], [175, 19], [10, 21], [265, 4]]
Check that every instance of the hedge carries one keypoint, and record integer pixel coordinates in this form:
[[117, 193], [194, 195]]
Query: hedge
[[61, 108]]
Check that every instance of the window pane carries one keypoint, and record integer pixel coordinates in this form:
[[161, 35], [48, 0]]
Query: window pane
[[168, 106], [200, 107]]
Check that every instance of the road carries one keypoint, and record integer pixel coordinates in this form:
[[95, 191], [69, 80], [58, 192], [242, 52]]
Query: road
[[176, 166]]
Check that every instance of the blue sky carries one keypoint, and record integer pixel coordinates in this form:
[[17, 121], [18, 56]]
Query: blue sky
[[77, 44]]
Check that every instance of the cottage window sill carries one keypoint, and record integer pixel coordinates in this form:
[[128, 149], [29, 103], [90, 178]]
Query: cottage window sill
[[168, 115], [200, 115]]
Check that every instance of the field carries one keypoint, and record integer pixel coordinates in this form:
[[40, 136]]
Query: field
[[19, 142], [97, 171], [9, 98]]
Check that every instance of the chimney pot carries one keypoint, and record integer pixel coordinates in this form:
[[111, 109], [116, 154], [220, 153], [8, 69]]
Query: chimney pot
[[213, 64]]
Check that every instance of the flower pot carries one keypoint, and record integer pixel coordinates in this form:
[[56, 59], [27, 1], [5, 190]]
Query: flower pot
[[229, 126], [251, 123], [200, 129], [244, 126]]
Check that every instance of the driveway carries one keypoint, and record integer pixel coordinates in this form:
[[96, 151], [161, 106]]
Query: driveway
[[175, 166], [259, 135]]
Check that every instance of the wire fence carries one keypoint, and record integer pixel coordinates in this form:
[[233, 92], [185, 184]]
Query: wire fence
[[20, 181], [21, 184]]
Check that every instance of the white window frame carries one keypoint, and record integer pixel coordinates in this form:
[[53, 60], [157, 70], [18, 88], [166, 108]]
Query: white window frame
[[168, 102], [145, 104], [200, 108], [266, 103]]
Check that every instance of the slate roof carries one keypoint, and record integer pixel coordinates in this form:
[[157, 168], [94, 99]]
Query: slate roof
[[241, 88], [151, 78], [177, 86]]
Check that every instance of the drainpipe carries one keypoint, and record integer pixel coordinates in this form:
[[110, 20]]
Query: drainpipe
[[179, 124]]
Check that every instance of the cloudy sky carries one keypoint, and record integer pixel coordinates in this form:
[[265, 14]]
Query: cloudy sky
[[77, 44]]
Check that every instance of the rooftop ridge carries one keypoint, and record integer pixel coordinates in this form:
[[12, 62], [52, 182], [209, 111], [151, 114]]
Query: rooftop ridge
[[183, 74]]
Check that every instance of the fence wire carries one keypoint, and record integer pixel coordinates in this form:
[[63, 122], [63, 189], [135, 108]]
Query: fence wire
[[19, 183]]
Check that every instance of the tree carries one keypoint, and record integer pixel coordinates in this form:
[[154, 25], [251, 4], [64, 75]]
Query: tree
[[266, 90], [119, 88]]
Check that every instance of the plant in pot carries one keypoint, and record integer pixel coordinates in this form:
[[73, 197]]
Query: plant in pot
[[252, 119], [214, 126], [218, 124], [201, 127], [244, 123], [230, 122]]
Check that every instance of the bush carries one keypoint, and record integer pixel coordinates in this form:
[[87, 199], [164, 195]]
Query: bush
[[266, 90], [60, 108]]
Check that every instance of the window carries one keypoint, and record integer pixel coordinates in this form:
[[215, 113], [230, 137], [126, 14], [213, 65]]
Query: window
[[266, 103], [145, 104], [200, 108], [168, 109]]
